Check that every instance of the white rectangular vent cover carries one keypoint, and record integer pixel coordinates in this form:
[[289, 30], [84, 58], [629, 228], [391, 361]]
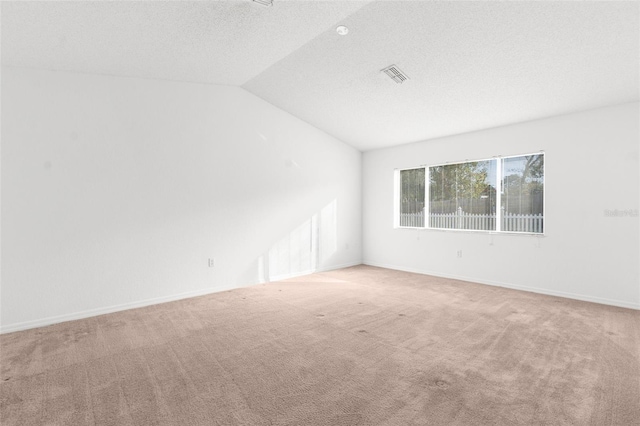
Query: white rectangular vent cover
[[395, 74], [264, 2]]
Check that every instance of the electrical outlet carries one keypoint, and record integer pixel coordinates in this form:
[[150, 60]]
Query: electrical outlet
[[210, 263], [459, 253]]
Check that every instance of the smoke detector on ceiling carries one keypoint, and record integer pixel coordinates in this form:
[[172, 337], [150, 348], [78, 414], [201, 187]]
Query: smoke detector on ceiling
[[395, 74], [264, 2], [342, 30]]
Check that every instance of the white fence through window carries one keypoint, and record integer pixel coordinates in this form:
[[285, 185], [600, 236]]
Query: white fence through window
[[412, 220], [482, 222], [511, 222]]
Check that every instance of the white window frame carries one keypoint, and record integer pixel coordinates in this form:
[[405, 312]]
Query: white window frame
[[396, 198], [544, 194], [498, 186]]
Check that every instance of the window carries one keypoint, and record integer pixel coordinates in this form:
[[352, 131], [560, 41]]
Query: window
[[522, 193], [498, 195], [412, 198], [461, 196]]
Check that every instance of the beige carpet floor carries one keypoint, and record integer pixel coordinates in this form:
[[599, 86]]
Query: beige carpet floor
[[357, 346]]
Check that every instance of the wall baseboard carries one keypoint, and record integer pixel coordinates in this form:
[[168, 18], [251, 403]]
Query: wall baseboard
[[584, 298], [26, 325], [107, 310], [310, 271], [154, 301]]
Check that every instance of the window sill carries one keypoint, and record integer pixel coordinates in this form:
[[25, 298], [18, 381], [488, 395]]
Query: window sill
[[474, 231]]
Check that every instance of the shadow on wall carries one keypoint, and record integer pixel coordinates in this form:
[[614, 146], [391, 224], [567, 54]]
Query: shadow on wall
[[304, 250]]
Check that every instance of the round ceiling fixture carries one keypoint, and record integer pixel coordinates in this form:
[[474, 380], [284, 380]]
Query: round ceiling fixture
[[342, 30]]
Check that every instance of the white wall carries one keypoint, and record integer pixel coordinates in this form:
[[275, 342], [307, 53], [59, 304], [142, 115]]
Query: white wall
[[116, 191], [591, 165]]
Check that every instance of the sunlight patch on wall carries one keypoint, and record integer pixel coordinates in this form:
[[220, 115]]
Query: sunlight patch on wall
[[328, 231], [304, 250]]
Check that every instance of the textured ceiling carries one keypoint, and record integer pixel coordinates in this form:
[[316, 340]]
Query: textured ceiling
[[472, 65], [220, 42]]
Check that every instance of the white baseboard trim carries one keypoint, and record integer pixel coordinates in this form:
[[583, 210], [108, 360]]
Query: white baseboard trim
[[142, 303], [584, 298], [107, 310], [313, 271]]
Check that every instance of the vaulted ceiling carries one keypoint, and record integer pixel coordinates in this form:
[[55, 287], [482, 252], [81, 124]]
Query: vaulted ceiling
[[471, 65]]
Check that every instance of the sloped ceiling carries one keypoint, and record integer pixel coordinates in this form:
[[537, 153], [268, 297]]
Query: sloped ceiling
[[472, 65], [218, 42]]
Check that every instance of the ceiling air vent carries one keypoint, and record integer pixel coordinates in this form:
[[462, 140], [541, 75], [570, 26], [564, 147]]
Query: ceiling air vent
[[395, 74], [264, 2]]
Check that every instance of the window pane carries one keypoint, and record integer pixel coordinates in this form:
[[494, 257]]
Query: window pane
[[523, 194], [463, 196], [412, 197]]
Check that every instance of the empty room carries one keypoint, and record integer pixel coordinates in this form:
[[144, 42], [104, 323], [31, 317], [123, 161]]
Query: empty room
[[279, 212]]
